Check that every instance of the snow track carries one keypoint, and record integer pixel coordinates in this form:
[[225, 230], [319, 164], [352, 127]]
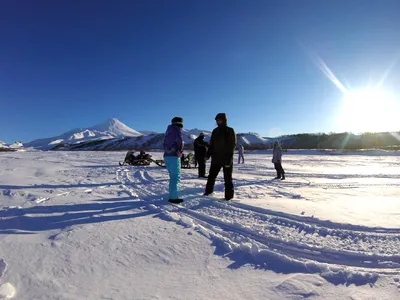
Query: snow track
[[306, 183], [353, 185], [349, 185], [73, 220], [307, 243]]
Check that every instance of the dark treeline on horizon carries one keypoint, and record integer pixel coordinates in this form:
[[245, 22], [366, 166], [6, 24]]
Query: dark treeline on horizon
[[345, 140]]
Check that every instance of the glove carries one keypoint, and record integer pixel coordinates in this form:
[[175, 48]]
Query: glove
[[171, 151]]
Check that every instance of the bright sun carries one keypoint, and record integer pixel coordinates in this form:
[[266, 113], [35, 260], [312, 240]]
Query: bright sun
[[369, 110]]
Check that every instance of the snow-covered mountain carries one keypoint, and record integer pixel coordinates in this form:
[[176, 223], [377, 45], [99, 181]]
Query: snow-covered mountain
[[155, 141], [189, 135], [109, 129], [16, 145], [12, 147], [148, 132], [196, 132], [112, 134], [251, 138], [115, 128]]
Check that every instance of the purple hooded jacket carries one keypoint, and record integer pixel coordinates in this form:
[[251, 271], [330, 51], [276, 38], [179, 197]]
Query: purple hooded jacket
[[173, 141]]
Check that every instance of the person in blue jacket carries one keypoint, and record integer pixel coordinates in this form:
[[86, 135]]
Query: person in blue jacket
[[173, 150]]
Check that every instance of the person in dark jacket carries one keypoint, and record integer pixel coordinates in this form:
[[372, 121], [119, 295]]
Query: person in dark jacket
[[141, 155], [277, 160], [173, 150], [130, 157], [222, 147], [200, 154], [241, 153]]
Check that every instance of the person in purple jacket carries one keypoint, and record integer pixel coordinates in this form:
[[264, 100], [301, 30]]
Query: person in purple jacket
[[173, 149]]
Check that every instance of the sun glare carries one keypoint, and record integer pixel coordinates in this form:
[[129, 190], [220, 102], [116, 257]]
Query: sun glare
[[369, 110]]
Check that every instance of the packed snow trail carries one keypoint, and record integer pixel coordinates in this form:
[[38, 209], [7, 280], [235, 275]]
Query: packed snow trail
[[67, 225], [308, 244]]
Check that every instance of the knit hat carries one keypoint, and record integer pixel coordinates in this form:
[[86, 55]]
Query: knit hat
[[178, 121], [222, 116], [201, 134]]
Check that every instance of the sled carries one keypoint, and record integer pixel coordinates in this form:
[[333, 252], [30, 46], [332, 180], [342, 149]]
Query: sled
[[140, 160], [143, 162], [188, 161]]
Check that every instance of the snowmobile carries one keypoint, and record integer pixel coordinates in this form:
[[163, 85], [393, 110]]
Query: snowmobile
[[188, 161], [142, 159]]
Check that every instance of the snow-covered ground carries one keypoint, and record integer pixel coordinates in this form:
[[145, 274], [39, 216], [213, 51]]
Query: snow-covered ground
[[74, 225]]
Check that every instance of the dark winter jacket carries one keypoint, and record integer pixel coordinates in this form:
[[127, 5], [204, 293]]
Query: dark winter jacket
[[173, 141], [277, 154], [222, 145], [240, 149], [200, 147]]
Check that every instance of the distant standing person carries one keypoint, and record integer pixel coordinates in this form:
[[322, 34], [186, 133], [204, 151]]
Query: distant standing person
[[200, 154], [277, 160], [222, 147], [241, 153], [173, 150]]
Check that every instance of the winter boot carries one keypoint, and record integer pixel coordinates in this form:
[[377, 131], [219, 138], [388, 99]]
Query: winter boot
[[229, 195], [175, 201]]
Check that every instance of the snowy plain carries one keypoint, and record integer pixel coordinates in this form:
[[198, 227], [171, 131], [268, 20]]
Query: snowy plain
[[75, 225]]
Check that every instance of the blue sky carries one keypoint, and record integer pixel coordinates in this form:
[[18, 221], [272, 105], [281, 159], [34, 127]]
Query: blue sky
[[67, 64]]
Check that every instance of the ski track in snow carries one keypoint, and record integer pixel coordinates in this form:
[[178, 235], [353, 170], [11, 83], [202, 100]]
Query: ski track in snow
[[256, 171], [264, 238], [337, 251], [309, 184]]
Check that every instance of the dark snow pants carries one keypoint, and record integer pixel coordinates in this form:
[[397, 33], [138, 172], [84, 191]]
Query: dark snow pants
[[279, 170], [201, 165], [214, 171]]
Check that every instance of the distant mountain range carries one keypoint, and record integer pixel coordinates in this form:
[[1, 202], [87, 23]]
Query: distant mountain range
[[110, 129], [10, 147], [112, 135]]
